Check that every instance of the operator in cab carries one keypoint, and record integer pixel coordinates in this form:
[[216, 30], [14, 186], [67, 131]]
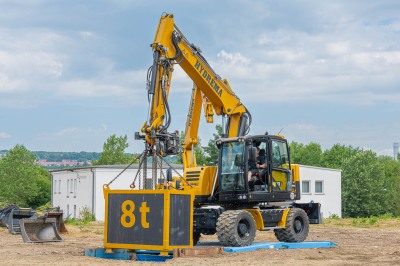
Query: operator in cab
[[255, 166]]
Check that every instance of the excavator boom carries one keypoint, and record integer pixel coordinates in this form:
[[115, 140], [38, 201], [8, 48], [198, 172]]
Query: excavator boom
[[171, 47]]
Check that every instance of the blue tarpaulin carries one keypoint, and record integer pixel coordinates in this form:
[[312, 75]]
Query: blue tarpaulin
[[281, 245]]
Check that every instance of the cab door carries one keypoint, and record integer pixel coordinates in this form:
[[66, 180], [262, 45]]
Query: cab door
[[281, 173]]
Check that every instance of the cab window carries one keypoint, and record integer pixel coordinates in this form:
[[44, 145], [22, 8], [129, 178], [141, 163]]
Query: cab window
[[280, 157], [281, 174]]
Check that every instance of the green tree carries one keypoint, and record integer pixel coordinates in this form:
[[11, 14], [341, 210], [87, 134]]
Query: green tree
[[335, 156], [295, 151], [310, 154], [200, 156], [364, 191], [43, 182], [114, 151], [212, 149], [392, 185], [22, 181]]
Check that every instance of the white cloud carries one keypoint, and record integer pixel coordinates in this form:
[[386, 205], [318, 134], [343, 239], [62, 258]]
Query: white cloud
[[21, 71], [90, 88], [87, 34], [39, 65], [29, 61], [313, 68], [233, 58], [181, 83], [338, 48], [76, 131], [4, 135]]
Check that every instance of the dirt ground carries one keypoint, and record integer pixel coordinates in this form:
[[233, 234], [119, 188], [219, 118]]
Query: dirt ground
[[377, 244]]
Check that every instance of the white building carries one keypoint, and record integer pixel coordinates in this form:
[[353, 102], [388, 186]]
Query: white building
[[322, 185], [79, 188]]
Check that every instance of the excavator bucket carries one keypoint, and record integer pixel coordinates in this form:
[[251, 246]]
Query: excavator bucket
[[58, 215], [39, 230], [13, 217]]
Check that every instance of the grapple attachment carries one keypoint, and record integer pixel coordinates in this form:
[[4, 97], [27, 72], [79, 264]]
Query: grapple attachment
[[39, 230]]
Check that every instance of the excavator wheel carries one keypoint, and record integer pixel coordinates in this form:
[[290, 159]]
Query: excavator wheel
[[297, 226], [236, 228]]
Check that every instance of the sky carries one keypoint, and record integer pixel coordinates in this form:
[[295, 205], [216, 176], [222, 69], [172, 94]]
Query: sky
[[72, 73]]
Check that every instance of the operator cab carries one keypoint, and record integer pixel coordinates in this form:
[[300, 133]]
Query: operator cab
[[255, 169]]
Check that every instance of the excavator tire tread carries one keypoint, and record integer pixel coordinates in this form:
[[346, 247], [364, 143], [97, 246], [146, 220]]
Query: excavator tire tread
[[290, 233], [222, 222], [228, 228]]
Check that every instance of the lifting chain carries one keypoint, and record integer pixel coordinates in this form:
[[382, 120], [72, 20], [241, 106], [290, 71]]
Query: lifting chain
[[143, 166], [143, 161], [129, 165]]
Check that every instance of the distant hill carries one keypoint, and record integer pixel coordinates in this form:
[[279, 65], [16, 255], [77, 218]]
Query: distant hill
[[82, 156], [58, 156], [61, 160]]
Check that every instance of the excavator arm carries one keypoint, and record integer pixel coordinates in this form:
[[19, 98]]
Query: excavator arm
[[171, 47]]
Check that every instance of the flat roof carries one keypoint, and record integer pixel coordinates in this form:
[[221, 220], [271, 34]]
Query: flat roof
[[118, 166], [321, 168]]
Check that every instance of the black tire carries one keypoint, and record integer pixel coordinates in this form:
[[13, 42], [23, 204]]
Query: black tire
[[196, 238], [297, 227], [236, 228]]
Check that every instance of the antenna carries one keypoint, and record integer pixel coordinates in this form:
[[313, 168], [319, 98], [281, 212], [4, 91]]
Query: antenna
[[280, 131]]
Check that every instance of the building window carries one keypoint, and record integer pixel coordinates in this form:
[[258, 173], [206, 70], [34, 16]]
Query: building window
[[71, 190], [67, 210], [319, 187], [75, 188], [75, 211], [305, 187], [67, 187], [59, 186], [55, 187]]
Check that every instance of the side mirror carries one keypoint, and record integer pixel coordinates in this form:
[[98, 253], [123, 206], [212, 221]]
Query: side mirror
[[169, 174]]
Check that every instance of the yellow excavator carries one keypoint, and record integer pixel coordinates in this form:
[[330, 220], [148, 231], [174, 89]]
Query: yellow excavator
[[231, 199], [252, 187]]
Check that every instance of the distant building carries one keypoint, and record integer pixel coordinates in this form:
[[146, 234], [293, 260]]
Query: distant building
[[396, 146], [77, 188], [63, 163]]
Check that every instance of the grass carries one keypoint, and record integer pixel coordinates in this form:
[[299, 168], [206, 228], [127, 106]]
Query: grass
[[84, 230], [85, 217], [363, 222]]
